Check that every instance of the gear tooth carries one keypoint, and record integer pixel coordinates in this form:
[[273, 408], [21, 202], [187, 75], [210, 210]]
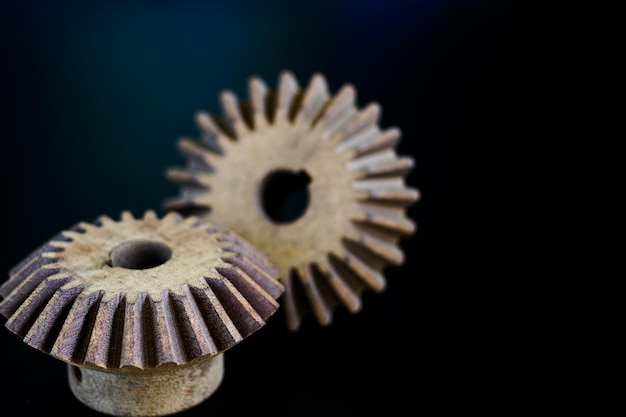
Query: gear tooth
[[176, 341], [35, 261], [172, 218], [248, 249], [127, 353], [288, 90], [258, 91], [45, 330], [287, 79], [27, 262], [381, 247], [390, 218], [379, 158], [362, 120], [194, 151], [103, 219], [397, 167], [387, 189], [322, 308], [221, 326], [259, 299], [399, 195], [290, 305], [340, 283], [21, 287], [351, 142], [72, 342], [234, 116], [246, 319], [198, 323], [384, 163], [181, 176], [315, 97], [141, 334], [370, 115], [83, 227], [127, 216], [71, 235], [258, 271], [206, 123], [369, 140], [341, 109], [162, 341], [213, 136], [387, 139], [28, 313], [150, 215], [124, 334], [106, 343], [178, 204], [372, 276]]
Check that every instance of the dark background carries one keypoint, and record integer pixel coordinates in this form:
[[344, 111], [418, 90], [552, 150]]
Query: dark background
[[93, 97]]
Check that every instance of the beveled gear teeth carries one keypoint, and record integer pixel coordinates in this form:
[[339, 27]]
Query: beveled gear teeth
[[69, 299], [351, 229]]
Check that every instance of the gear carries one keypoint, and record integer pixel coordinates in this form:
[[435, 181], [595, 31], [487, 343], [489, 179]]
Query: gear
[[309, 179], [140, 293]]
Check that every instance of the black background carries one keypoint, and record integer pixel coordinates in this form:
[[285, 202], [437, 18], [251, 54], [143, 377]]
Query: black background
[[94, 96]]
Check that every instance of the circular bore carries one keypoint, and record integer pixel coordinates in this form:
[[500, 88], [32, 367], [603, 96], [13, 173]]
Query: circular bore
[[140, 254], [332, 242]]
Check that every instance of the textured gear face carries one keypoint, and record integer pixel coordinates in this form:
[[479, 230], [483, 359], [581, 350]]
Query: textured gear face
[[336, 166], [140, 292]]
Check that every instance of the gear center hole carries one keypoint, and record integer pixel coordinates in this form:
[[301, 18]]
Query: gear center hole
[[139, 254], [285, 195]]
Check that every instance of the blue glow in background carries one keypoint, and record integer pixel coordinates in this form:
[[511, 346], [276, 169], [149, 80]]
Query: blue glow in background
[[94, 95]]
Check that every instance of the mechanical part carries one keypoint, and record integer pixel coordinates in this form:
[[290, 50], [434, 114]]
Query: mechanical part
[[310, 180], [141, 309]]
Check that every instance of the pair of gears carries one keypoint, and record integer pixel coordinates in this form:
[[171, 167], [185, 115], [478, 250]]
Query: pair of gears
[[292, 198]]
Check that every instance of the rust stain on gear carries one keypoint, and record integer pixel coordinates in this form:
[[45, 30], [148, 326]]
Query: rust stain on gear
[[350, 228]]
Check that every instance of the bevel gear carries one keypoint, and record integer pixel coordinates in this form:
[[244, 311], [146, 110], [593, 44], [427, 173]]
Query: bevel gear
[[350, 228], [140, 293]]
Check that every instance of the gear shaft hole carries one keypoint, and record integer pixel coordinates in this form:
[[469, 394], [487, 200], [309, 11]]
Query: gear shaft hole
[[285, 195], [140, 254]]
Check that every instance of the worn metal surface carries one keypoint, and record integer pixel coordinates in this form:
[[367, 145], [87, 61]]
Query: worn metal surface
[[350, 228], [147, 300]]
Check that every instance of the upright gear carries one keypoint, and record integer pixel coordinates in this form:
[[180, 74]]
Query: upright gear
[[309, 179]]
